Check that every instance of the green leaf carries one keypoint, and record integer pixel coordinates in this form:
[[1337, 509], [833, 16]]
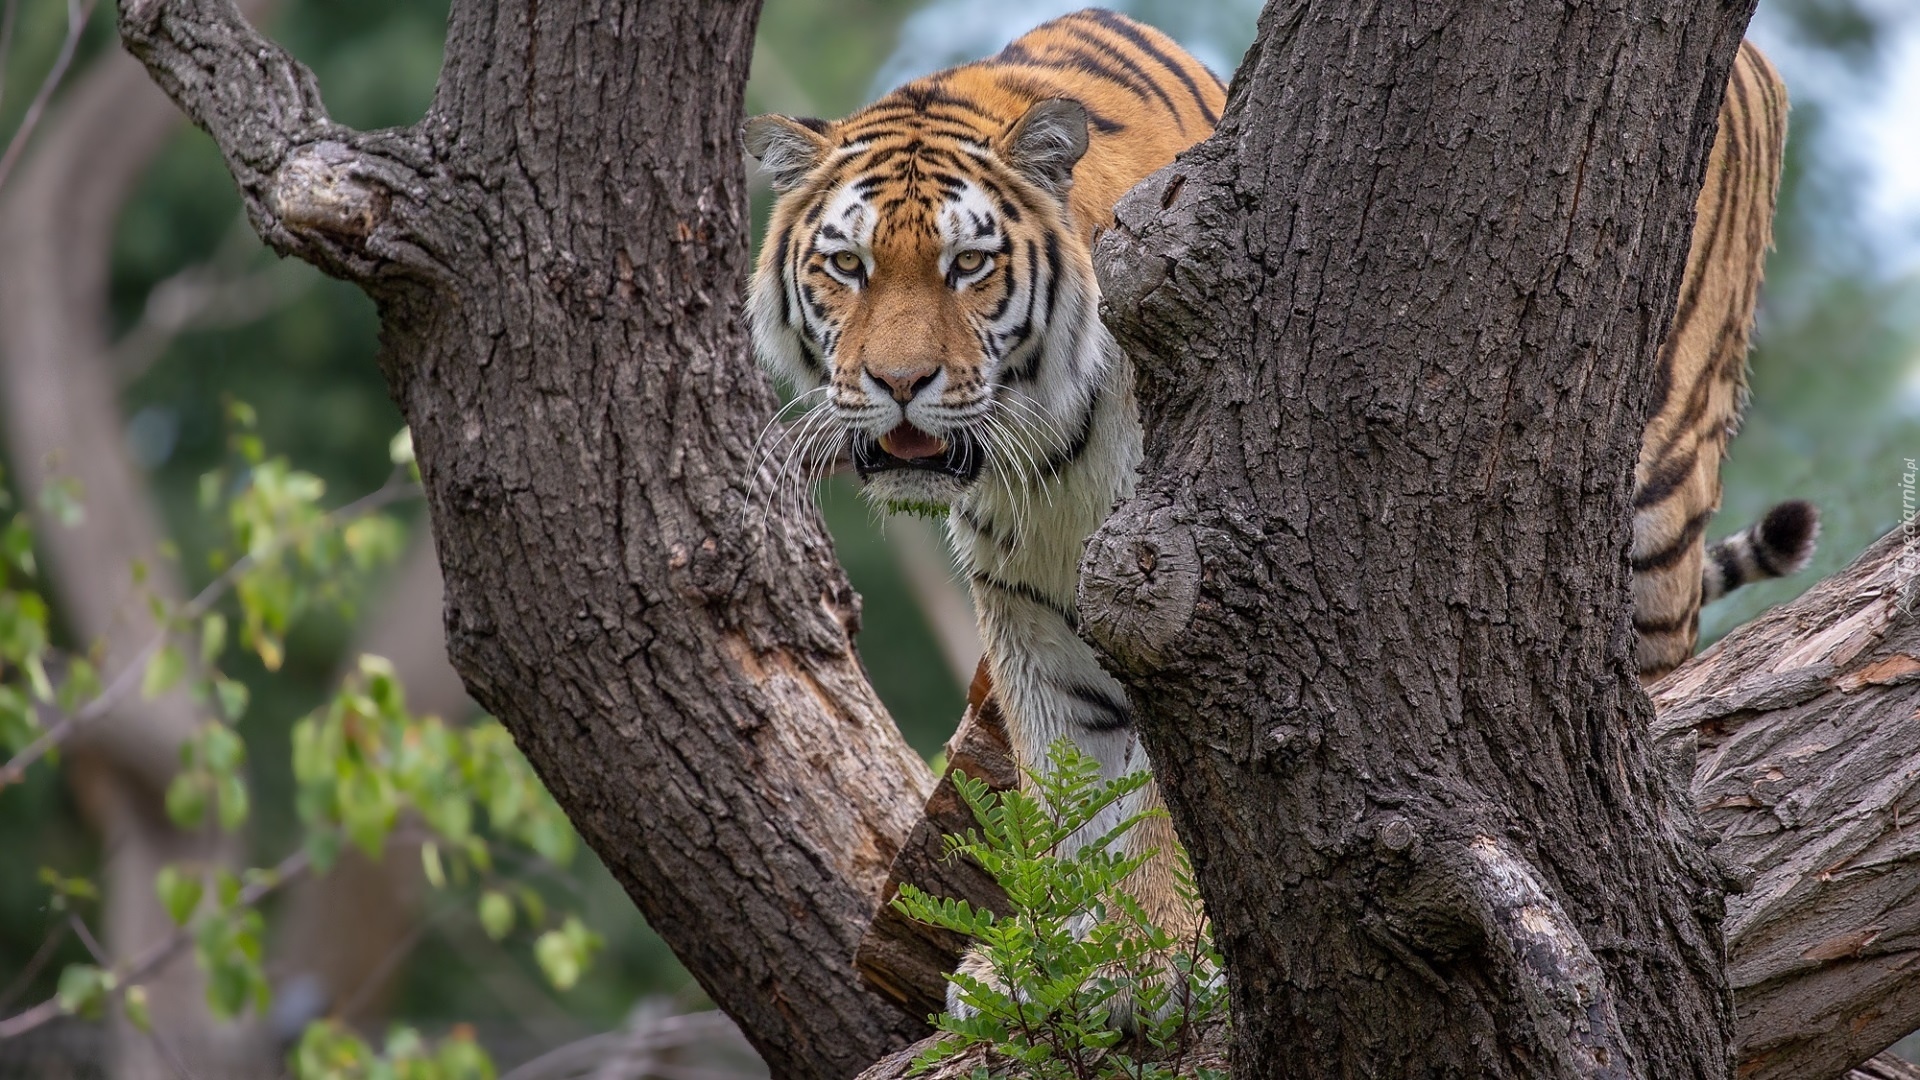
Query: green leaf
[[16, 543], [213, 637], [82, 685], [559, 959], [179, 893], [19, 723], [187, 799], [82, 989], [163, 671], [64, 499], [241, 415], [232, 802], [220, 749], [37, 677], [430, 864], [323, 849], [226, 888], [233, 696], [496, 914], [135, 1002]]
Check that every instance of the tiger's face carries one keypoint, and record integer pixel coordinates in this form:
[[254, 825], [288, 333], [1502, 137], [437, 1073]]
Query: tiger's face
[[907, 288]]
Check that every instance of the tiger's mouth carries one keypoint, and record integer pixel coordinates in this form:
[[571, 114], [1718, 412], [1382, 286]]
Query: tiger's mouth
[[908, 448]]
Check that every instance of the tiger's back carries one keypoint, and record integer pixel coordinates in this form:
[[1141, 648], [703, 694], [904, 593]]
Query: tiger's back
[[1700, 388], [1145, 98], [928, 274]]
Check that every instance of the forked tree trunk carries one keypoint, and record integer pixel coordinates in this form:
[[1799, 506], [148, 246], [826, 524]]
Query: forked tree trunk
[[557, 251], [1795, 734], [1393, 327]]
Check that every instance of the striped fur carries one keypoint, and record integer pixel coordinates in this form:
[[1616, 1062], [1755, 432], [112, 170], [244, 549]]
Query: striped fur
[[927, 285], [1001, 378], [1701, 388]]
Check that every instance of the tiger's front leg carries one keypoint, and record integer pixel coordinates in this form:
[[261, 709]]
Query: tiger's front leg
[[1051, 686]]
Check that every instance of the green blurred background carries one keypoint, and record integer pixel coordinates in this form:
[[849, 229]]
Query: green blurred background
[[1833, 415]]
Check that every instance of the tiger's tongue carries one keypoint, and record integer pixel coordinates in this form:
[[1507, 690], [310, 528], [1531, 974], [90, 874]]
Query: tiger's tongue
[[909, 443]]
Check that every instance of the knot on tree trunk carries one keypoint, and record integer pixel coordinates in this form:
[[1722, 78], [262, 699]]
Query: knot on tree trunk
[[319, 187], [1139, 583]]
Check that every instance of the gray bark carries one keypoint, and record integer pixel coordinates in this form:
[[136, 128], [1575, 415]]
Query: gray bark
[[1808, 772], [1370, 598], [555, 250], [1390, 326], [1796, 731]]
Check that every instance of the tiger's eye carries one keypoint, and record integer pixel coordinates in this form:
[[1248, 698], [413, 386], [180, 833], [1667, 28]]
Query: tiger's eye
[[968, 261], [847, 262]]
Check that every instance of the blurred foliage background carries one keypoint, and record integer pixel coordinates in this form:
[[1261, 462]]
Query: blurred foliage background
[[1836, 409]]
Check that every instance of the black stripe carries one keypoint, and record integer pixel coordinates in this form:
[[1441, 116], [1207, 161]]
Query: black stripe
[[1056, 462], [1763, 557], [1089, 64], [1126, 28], [1668, 626], [1689, 535], [983, 528], [1036, 273], [1667, 475], [1031, 595], [1732, 574], [1116, 715]]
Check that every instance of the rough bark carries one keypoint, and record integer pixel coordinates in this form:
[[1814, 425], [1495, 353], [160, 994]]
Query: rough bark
[[1808, 771], [1386, 650], [907, 960], [1796, 731], [555, 250], [1390, 327]]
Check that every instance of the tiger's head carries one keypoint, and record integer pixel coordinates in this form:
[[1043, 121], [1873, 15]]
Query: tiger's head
[[923, 288]]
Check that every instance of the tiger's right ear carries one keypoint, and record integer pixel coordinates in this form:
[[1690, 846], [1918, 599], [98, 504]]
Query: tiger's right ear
[[788, 149], [1047, 143]]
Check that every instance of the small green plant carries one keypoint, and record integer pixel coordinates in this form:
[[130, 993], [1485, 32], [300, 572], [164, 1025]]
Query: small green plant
[[932, 511], [1077, 952]]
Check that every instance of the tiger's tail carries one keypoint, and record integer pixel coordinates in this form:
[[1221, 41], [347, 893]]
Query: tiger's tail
[[1779, 544]]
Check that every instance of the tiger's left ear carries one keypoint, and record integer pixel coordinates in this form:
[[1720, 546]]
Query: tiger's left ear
[[787, 148], [1046, 143]]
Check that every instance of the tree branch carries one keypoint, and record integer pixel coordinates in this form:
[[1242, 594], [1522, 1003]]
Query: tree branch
[[1809, 773], [554, 249], [343, 200]]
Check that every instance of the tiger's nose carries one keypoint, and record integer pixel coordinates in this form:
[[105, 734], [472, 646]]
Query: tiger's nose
[[905, 382]]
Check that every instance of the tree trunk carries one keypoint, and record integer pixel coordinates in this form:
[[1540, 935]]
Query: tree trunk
[[1392, 325], [1386, 653], [1796, 731], [556, 250]]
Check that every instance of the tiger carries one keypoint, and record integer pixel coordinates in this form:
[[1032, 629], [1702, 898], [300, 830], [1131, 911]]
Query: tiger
[[1700, 390], [927, 289]]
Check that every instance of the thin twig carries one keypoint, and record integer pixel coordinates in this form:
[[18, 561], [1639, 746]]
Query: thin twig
[[77, 16], [220, 292], [99, 953], [15, 769], [86, 937], [160, 952], [26, 976]]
